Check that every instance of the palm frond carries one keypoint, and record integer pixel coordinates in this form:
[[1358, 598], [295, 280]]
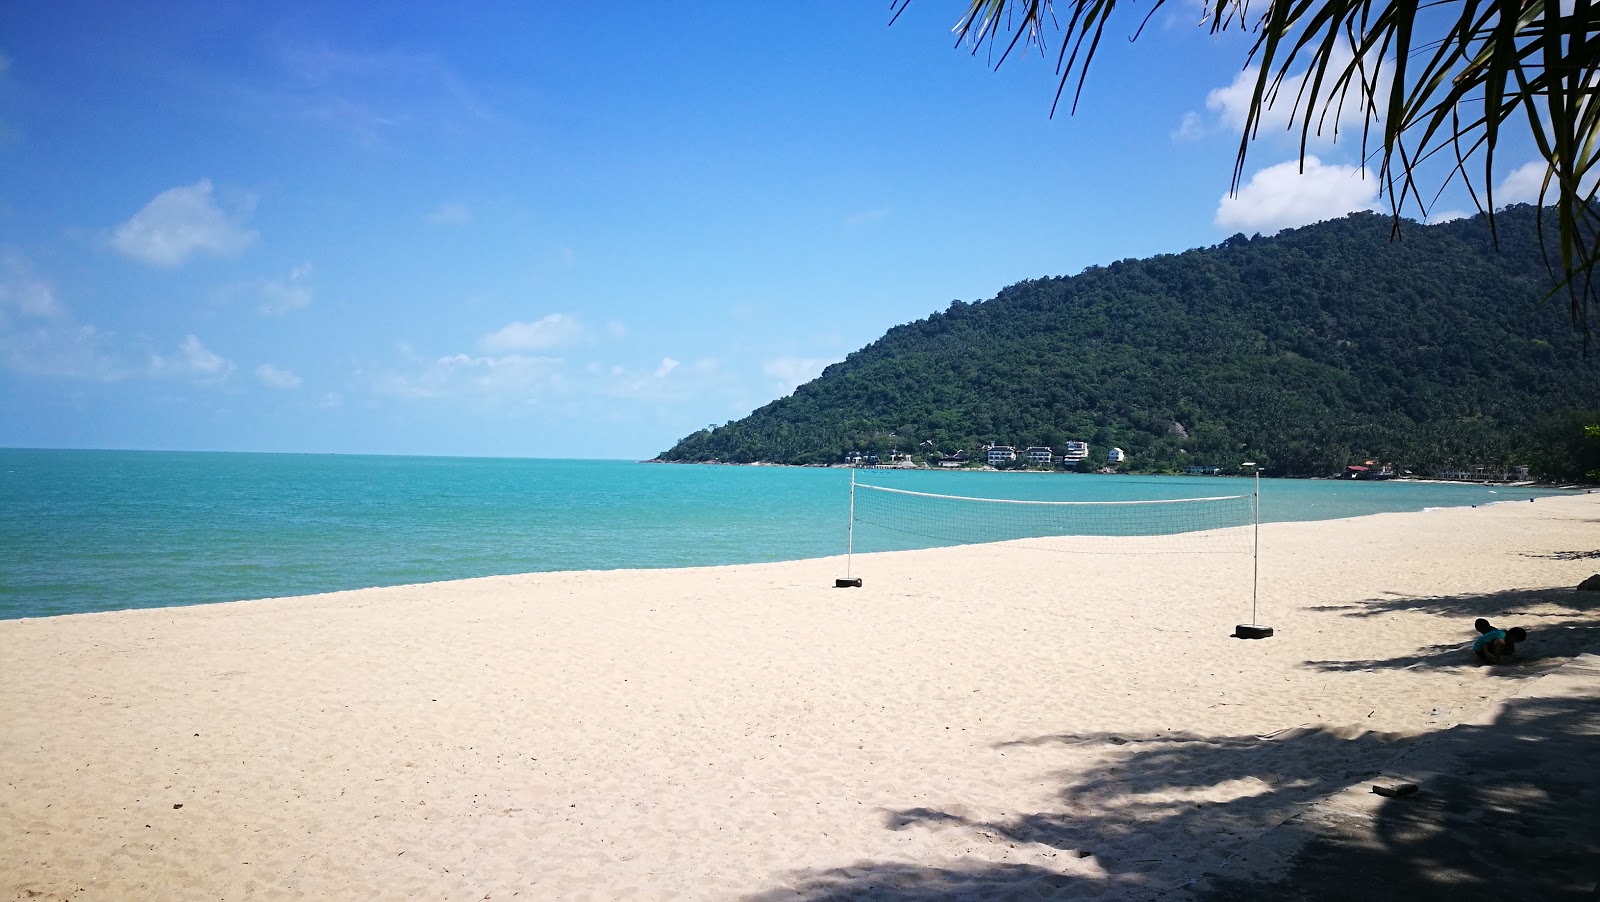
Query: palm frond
[[1431, 77]]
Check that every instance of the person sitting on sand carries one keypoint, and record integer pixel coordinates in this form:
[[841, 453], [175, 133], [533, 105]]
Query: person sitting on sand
[[1495, 645]]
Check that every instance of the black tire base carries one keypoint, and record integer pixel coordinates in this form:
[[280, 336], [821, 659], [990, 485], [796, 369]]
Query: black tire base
[[842, 583], [1251, 631]]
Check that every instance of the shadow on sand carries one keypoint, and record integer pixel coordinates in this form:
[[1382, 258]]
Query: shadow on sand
[[1511, 814], [1554, 619], [1513, 817]]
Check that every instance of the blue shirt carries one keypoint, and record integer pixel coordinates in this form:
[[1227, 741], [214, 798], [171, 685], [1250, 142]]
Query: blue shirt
[[1483, 642]]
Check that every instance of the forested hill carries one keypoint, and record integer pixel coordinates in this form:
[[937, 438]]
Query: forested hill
[[1308, 350]]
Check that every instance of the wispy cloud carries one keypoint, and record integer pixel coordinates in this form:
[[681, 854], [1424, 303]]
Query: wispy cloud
[[193, 359], [1191, 128], [8, 134], [449, 213], [22, 291], [276, 377], [864, 217], [39, 338], [179, 223], [280, 296], [552, 331], [670, 380], [505, 377], [790, 373], [62, 350], [373, 97]]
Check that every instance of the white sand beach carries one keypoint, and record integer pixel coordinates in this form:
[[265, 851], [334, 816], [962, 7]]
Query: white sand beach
[[996, 721]]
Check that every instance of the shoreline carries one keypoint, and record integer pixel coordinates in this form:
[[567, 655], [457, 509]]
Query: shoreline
[[644, 572], [747, 731], [1422, 480], [110, 578]]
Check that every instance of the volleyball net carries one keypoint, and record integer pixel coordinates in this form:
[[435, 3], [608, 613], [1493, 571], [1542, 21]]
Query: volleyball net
[[891, 519]]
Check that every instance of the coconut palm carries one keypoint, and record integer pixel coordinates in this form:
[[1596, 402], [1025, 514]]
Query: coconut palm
[[1431, 79]]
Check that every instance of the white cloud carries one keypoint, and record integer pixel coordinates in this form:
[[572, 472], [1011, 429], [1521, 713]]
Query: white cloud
[[554, 330], [1281, 197], [283, 295], [666, 366], [194, 359], [22, 291], [616, 329], [449, 213], [1439, 216], [275, 377], [792, 372], [868, 216], [178, 223], [1522, 185], [1231, 104]]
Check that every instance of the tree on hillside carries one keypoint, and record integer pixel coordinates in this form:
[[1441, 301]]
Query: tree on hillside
[[1433, 79]]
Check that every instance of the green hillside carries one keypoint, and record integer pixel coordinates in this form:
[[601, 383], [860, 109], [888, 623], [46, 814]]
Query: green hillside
[[1309, 350]]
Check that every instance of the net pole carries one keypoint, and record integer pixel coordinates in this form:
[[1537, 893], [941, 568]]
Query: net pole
[[1255, 554], [850, 540]]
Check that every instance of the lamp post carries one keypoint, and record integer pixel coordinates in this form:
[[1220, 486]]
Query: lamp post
[[1254, 629]]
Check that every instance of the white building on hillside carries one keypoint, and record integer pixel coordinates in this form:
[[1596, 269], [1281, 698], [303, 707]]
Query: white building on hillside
[[1001, 454], [1115, 456], [1075, 452], [1040, 455]]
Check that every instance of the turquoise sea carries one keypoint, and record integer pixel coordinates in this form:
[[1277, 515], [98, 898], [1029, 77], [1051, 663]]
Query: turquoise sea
[[109, 530]]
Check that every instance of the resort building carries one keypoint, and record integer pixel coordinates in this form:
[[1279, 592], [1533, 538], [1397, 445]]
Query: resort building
[[958, 459], [1039, 455], [999, 454], [1075, 452], [1115, 456]]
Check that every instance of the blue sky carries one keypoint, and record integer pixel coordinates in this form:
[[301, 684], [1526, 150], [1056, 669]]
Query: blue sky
[[559, 230]]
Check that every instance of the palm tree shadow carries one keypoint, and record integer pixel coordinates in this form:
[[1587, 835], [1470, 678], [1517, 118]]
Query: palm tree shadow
[[900, 882], [1559, 624], [1508, 821], [1512, 818], [1171, 795], [1507, 603]]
